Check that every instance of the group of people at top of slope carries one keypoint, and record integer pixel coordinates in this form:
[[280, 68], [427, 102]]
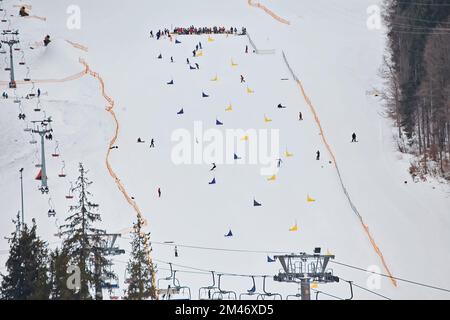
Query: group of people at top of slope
[[160, 33], [209, 30]]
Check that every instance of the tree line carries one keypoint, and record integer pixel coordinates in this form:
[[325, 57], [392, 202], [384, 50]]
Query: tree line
[[417, 73], [81, 268]]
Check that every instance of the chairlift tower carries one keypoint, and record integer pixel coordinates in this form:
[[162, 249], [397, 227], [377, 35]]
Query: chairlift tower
[[11, 43], [303, 268], [42, 132]]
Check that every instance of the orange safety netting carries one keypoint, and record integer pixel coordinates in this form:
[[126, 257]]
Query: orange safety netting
[[66, 79], [78, 46], [327, 145], [110, 109], [268, 11]]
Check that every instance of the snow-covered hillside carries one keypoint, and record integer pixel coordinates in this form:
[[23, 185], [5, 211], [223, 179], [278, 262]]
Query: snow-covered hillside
[[336, 58]]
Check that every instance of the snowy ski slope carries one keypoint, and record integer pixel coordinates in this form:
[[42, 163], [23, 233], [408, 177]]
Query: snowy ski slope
[[336, 58]]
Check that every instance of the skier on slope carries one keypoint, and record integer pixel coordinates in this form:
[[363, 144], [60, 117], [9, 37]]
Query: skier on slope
[[214, 167], [152, 143], [47, 40], [242, 79], [300, 116], [187, 60], [279, 162], [159, 193], [171, 59], [318, 155], [197, 66], [23, 12], [246, 49], [354, 137], [38, 92]]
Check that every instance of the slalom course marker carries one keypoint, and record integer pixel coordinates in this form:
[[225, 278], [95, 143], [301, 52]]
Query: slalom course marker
[[192, 68], [294, 228], [270, 260], [250, 91], [245, 138], [213, 181], [234, 65], [229, 108], [314, 285], [219, 123], [310, 200], [229, 234], [170, 82], [177, 41], [204, 95], [288, 154], [210, 39], [215, 79], [272, 178], [236, 157], [256, 203], [181, 112], [199, 54], [266, 119], [160, 56], [39, 176]]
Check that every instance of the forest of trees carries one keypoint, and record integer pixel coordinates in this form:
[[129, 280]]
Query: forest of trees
[[35, 272], [417, 72]]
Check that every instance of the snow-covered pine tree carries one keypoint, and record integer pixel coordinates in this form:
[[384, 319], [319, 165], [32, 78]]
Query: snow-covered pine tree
[[83, 242], [140, 269], [27, 266]]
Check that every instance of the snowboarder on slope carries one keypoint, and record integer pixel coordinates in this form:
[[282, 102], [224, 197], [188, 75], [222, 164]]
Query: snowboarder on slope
[[23, 12], [47, 40]]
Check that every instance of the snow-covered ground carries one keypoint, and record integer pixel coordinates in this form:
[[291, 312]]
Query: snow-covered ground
[[337, 59]]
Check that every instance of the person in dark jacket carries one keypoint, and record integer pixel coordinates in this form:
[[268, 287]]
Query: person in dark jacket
[[23, 12], [47, 40]]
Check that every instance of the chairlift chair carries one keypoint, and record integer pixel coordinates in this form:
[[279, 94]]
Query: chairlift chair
[[221, 294], [56, 153], [62, 174], [265, 294], [206, 293], [251, 292], [181, 289], [51, 211], [297, 296], [173, 287], [69, 196]]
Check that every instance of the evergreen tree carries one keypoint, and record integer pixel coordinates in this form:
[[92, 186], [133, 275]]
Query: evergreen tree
[[27, 266], [83, 242], [59, 262], [140, 268]]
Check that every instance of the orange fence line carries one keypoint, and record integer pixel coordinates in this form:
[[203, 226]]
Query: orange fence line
[[66, 79], [110, 109], [268, 11], [78, 46], [365, 227]]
